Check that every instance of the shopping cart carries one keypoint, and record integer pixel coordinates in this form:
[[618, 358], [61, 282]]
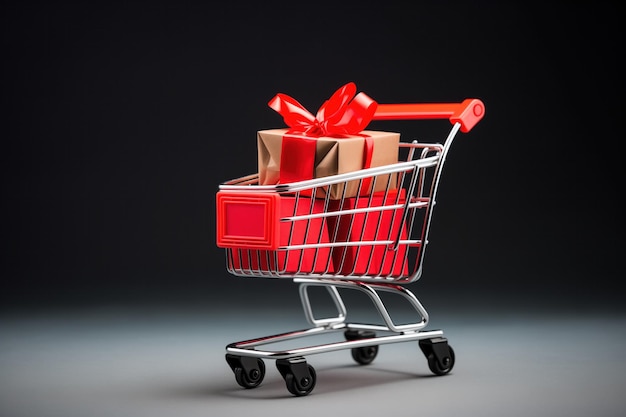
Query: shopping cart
[[373, 243]]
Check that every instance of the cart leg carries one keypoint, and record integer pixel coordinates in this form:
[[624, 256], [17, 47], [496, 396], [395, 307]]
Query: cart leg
[[249, 372], [371, 290], [299, 376], [439, 354], [308, 310]]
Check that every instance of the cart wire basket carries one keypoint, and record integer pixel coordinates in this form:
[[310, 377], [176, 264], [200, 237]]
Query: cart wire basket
[[372, 242]]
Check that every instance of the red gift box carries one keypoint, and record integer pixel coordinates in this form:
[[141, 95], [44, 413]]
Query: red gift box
[[370, 259], [333, 141], [297, 232]]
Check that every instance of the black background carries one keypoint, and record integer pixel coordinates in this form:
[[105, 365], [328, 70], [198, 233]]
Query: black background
[[121, 120]]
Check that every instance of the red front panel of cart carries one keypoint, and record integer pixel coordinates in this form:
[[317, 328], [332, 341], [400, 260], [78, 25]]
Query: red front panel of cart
[[292, 232], [246, 220]]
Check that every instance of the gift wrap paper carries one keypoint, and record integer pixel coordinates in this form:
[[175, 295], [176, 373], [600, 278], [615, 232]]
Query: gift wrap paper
[[333, 155]]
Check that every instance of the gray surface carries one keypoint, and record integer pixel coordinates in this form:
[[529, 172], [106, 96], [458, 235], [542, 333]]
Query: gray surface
[[170, 362]]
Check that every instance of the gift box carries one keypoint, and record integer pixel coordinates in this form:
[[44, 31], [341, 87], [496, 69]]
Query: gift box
[[297, 232], [284, 157], [370, 259], [334, 141]]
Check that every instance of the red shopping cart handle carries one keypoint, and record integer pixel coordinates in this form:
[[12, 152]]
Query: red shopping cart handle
[[467, 113]]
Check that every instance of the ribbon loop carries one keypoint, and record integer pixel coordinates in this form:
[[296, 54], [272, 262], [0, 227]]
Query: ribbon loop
[[344, 113]]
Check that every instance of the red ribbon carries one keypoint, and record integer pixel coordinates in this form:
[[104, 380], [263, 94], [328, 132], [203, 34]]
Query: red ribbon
[[344, 113]]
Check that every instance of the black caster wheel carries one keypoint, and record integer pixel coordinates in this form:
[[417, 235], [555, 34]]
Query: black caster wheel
[[366, 354], [438, 367], [301, 387], [439, 354], [300, 377], [249, 372]]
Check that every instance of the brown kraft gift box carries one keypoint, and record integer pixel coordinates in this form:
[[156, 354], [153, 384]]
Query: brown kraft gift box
[[332, 156]]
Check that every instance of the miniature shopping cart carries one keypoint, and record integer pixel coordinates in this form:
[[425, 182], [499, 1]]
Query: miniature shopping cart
[[372, 242]]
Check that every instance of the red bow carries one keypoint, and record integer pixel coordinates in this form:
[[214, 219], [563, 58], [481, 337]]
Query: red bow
[[342, 114]]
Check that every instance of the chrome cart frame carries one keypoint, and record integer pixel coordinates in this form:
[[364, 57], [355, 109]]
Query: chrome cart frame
[[417, 173]]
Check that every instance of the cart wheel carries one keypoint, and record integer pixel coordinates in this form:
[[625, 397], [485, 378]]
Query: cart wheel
[[302, 387], [366, 354], [249, 372], [437, 368], [251, 379], [439, 354], [299, 376]]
